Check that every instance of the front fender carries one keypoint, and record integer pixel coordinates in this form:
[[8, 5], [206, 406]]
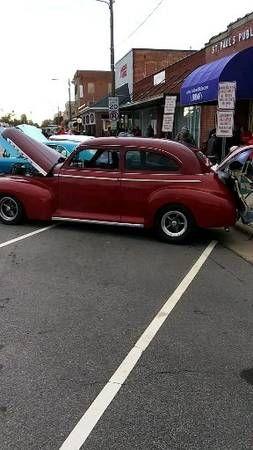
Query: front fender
[[37, 197], [209, 209]]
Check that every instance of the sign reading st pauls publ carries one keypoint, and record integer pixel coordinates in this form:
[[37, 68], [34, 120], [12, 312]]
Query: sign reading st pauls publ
[[233, 40]]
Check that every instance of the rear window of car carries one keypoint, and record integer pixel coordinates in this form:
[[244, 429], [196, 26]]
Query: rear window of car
[[150, 161]]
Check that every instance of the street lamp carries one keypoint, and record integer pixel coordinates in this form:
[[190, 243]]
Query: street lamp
[[110, 4], [69, 95]]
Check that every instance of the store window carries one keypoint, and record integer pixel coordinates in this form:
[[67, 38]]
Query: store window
[[188, 117], [91, 88], [81, 91]]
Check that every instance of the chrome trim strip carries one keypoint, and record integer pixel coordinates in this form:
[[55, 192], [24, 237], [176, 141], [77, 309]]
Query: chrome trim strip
[[101, 222], [160, 181], [89, 177], [145, 180]]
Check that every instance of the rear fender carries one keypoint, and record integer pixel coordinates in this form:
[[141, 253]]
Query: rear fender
[[207, 209]]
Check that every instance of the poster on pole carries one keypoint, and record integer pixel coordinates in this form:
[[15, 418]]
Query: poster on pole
[[225, 123], [113, 105], [227, 95], [168, 120], [170, 104]]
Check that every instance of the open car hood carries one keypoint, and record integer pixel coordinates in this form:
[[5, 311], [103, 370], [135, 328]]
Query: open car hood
[[42, 158], [239, 154]]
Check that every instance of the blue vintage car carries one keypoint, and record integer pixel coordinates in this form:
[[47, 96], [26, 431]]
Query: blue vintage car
[[63, 147], [11, 158]]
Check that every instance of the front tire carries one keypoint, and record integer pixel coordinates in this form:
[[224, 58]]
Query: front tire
[[174, 224], [11, 211]]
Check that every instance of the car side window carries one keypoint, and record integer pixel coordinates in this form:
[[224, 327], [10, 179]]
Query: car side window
[[150, 161], [96, 159]]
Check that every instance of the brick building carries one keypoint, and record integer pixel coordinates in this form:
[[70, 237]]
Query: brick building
[[133, 67], [147, 105], [90, 86], [147, 102], [237, 37], [139, 63]]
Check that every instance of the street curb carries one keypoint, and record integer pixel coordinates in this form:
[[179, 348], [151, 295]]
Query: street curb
[[247, 229]]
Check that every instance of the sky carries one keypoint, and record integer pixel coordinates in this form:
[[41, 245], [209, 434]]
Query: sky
[[45, 39]]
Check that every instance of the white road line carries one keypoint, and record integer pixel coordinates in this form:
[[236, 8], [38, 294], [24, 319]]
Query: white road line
[[86, 424], [26, 236]]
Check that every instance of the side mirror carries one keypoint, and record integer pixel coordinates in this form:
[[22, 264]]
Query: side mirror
[[235, 166]]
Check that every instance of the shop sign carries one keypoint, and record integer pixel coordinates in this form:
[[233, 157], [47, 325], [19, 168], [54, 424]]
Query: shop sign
[[170, 104], [233, 40], [124, 72], [226, 94], [168, 120], [113, 104], [159, 78], [92, 118], [113, 125], [225, 124]]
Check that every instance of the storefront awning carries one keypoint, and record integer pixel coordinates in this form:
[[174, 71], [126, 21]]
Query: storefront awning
[[201, 86]]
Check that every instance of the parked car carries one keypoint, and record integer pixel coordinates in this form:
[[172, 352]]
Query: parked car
[[65, 148], [10, 157], [34, 132], [11, 160], [138, 182]]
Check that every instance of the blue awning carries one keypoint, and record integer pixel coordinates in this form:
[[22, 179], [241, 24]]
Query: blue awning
[[201, 86]]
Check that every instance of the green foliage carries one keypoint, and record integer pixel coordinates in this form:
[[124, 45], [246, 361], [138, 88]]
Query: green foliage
[[12, 120]]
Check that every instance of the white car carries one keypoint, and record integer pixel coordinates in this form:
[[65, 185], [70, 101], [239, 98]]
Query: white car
[[71, 137]]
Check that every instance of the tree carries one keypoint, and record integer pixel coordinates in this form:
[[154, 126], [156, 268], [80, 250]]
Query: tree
[[46, 123], [23, 118]]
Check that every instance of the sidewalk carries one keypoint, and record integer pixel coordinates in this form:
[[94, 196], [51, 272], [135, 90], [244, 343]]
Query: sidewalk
[[247, 229], [240, 241]]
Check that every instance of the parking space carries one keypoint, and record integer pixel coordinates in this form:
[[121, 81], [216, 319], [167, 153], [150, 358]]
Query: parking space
[[75, 299], [188, 390], [13, 231]]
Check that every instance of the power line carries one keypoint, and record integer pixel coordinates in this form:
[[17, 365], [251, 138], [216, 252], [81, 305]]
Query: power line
[[146, 19]]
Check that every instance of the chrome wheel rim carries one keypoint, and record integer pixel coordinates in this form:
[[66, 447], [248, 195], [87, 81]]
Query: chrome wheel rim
[[174, 223], [8, 209]]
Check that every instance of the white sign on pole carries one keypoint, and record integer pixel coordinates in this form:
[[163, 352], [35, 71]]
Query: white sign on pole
[[113, 105], [170, 104], [92, 118], [226, 94], [168, 120], [225, 123]]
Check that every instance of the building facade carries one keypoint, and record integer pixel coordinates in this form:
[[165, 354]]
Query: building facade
[[139, 63], [90, 86], [231, 50]]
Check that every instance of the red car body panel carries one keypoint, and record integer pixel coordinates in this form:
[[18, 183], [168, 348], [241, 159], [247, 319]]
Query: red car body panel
[[121, 196]]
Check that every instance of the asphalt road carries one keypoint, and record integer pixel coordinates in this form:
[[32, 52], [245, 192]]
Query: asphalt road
[[75, 299]]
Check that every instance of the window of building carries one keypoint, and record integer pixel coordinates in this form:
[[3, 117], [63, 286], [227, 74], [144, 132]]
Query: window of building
[[96, 159], [81, 91], [150, 161], [91, 88]]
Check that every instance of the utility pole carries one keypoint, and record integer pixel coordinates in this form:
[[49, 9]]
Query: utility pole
[[110, 4], [112, 46], [70, 111]]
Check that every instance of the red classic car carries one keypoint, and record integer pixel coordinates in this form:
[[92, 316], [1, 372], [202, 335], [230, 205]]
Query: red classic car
[[138, 182]]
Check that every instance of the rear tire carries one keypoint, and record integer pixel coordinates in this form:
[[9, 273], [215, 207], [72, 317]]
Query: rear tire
[[174, 224], [11, 211]]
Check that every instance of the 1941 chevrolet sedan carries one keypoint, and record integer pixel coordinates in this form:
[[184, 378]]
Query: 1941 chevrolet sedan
[[137, 182]]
